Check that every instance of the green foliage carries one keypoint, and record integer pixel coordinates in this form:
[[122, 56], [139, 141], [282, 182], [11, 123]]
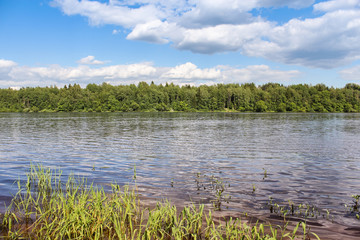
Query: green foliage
[[47, 208], [260, 106], [270, 97]]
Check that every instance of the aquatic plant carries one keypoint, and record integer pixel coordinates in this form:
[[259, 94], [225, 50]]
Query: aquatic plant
[[265, 174], [46, 208], [219, 187], [354, 208], [216, 186], [134, 174], [302, 210]]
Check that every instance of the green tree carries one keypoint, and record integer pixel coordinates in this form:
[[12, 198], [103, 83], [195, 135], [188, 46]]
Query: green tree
[[260, 106]]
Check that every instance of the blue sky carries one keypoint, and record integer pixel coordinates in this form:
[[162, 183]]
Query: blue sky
[[58, 42]]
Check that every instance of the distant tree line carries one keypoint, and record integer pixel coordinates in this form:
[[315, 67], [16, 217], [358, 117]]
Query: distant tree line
[[248, 97]]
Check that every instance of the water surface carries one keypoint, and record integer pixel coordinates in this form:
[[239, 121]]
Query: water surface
[[309, 158]]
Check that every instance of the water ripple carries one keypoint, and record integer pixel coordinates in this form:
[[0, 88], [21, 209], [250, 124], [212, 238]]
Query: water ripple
[[312, 158]]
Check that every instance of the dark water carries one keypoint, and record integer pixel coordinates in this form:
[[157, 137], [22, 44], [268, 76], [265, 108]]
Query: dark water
[[309, 158]]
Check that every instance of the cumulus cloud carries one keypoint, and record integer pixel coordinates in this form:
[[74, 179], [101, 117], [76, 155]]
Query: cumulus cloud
[[90, 60], [109, 13], [23, 76], [154, 32], [297, 4], [351, 74], [5, 67], [327, 40], [188, 73], [335, 5], [221, 38], [6, 64], [82, 73], [206, 13], [207, 40], [258, 74], [324, 42]]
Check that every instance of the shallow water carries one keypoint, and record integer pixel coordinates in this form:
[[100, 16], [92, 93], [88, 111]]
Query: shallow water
[[308, 158]]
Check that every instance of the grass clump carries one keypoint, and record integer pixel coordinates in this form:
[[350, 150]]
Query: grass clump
[[46, 208]]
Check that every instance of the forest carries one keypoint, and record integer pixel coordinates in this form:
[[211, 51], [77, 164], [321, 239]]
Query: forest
[[270, 97]]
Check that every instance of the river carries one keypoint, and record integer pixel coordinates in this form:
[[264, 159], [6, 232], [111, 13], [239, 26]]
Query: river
[[305, 158]]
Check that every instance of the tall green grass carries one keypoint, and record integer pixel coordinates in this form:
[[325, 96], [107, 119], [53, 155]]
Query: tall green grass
[[46, 208]]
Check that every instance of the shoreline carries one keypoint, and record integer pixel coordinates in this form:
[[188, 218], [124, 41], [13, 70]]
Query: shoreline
[[43, 182], [324, 228], [45, 207]]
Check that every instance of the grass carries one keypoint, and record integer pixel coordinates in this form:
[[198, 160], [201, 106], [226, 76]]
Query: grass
[[47, 208]]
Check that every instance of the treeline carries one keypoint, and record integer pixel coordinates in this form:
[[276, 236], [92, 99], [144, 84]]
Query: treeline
[[270, 97]]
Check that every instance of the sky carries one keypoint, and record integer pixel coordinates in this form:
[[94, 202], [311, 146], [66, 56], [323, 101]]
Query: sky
[[120, 42]]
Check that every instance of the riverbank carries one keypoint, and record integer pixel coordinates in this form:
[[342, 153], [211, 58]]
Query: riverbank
[[46, 207]]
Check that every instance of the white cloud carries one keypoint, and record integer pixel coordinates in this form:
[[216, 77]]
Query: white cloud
[[221, 38], [83, 73], [207, 13], [214, 12], [90, 60], [190, 13], [154, 32], [15, 88], [211, 26], [328, 41], [325, 42], [335, 5], [5, 64], [190, 71], [351, 74], [187, 73], [297, 4], [109, 13], [185, 13], [117, 31], [257, 74], [206, 40], [5, 68]]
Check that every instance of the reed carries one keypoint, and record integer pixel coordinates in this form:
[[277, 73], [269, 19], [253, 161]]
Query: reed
[[47, 208]]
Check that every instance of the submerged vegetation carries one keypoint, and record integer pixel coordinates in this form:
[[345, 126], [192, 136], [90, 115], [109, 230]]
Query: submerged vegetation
[[215, 187], [302, 210], [270, 97], [354, 208], [47, 208]]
